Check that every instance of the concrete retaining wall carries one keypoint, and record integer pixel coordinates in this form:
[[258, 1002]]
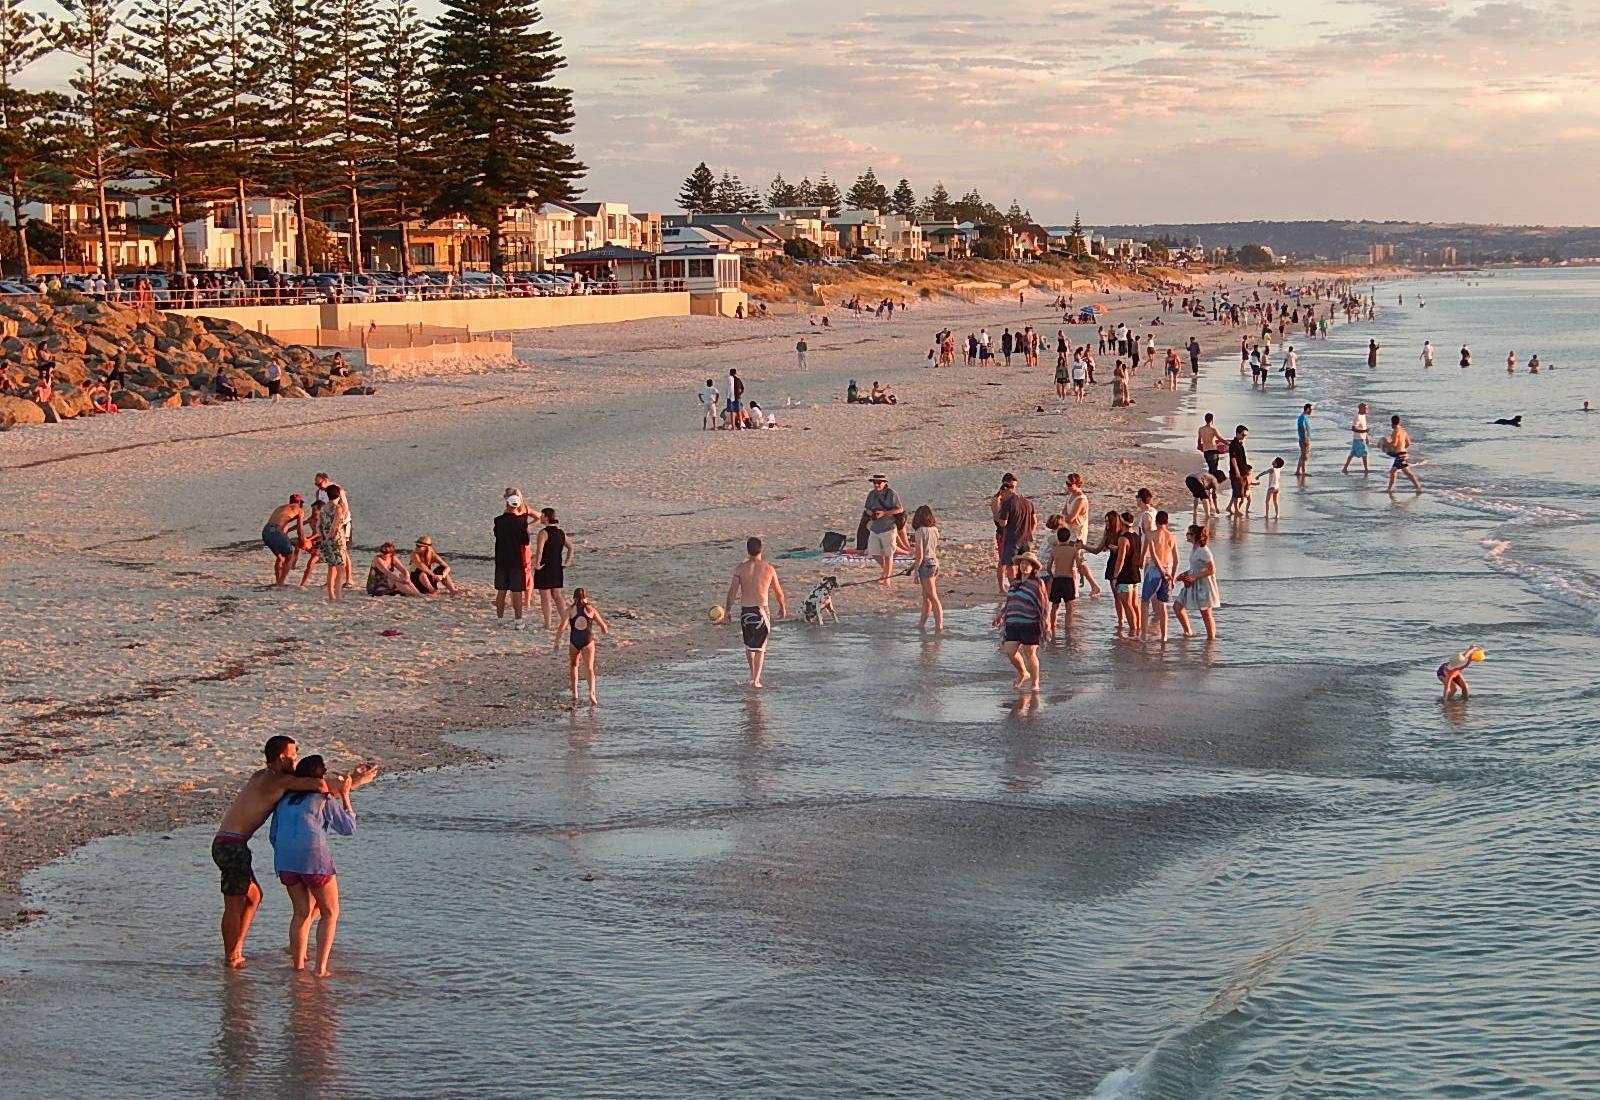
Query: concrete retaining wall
[[475, 314]]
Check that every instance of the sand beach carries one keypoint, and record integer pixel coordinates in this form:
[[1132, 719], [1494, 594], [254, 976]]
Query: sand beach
[[156, 657]]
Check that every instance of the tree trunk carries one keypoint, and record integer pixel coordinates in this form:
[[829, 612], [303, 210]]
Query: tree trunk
[[178, 259], [405, 240], [241, 203], [355, 230], [106, 263], [496, 260], [302, 239], [25, 267]]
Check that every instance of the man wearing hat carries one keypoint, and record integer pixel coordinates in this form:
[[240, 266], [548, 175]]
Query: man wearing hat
[[883, 504], [513, 558], [275, 537]]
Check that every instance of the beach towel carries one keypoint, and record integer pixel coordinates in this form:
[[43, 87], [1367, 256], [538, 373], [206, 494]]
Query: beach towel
[[856, 558]]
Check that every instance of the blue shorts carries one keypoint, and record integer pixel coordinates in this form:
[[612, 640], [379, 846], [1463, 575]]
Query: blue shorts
[[732, 407], [1156, 586], [1358, 448], [273, 538]]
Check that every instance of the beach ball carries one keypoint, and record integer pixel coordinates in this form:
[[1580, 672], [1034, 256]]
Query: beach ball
[[716, 614]]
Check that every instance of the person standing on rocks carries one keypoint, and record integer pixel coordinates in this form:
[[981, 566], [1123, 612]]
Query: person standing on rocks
[[275, 537]]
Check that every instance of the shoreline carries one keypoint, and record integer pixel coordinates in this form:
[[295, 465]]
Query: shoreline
[[397, 707]]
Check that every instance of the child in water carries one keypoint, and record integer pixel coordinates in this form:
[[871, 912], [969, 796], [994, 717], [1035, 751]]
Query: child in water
[[1451, 673], [1274, 479]]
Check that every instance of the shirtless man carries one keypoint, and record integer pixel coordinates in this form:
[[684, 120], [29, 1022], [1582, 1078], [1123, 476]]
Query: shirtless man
[[1398, 445], [752, 580], [1206, 442], [230, 848], [1160, 573], [276, 537]]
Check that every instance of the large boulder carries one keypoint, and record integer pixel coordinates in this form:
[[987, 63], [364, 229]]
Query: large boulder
[[129, 399], [18, 410], [71, 368], [70, 401]]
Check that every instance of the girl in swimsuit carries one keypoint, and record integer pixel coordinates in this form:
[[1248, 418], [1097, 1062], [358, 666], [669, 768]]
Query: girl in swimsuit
[[580, 625]]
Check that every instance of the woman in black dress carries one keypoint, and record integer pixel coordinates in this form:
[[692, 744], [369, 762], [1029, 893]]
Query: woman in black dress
[[551, 556]]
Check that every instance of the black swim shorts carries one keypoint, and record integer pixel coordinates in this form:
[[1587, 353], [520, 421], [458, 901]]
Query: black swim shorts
[[753, 624], [231, 854]]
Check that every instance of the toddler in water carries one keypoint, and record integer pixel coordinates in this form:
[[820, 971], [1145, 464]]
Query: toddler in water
[[1274, 479], [1450, 673]]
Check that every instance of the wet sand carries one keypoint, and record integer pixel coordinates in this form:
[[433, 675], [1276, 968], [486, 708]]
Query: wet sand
[[155, 660], [697, 888]]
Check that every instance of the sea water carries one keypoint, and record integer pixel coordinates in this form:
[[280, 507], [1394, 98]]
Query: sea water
[[1270, 866]]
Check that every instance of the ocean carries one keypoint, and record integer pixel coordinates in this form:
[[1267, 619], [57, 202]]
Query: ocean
[[1270, 866]]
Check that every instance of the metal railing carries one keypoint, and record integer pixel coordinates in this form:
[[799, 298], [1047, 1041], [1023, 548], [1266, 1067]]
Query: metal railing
[[221, 297]]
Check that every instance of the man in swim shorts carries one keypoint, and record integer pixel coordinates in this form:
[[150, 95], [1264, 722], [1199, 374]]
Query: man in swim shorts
[[1398, 446], [275, 537], [752, 581], [230, 847], [1358, 441]]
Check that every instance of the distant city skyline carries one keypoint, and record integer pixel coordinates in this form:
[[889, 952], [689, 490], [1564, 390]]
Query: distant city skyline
[[1484, 111]]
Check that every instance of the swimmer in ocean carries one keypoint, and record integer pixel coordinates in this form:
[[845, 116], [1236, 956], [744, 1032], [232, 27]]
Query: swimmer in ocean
[[1450, 673]]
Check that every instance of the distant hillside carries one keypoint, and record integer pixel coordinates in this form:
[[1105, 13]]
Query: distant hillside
[[1335, 239]]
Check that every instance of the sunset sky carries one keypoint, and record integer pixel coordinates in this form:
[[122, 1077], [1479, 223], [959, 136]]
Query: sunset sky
[[1440, 110], [1128, 110]]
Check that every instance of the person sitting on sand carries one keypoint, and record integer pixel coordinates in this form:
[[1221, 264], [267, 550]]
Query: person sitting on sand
[[386, 576], [579, 627], [225, 389], [303, 863], [852, 393], [100, 399], [430, 572]]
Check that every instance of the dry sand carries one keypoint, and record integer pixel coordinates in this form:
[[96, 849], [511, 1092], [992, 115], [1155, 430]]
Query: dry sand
[[147, 658]]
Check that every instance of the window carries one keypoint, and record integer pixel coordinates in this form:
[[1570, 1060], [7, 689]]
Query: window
[[672, 269], [701, 269], [422, 254]]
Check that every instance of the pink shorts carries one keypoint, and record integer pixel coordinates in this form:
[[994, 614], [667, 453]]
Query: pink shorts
[[295, 878]]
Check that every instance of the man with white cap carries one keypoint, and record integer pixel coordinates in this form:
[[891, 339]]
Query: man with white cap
[[513, 558], [883, 504]]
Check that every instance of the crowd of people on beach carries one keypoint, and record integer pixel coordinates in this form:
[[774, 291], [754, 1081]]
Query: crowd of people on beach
[[1152, 571]]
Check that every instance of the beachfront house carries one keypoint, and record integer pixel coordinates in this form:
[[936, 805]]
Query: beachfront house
[[613, 266], [698, 270], [860, 233], [948, 240], [902, 238]]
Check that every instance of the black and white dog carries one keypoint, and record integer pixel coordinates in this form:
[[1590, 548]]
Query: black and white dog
[[819, 604]]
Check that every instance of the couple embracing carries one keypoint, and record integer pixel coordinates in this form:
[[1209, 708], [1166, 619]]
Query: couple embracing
[[304, 801]]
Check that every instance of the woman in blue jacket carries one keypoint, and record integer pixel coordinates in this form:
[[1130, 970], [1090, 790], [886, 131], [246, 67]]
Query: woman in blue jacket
[[304, 864]]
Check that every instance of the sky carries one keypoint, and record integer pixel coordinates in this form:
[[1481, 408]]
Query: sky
[[1130, 111], [1127, 110]]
